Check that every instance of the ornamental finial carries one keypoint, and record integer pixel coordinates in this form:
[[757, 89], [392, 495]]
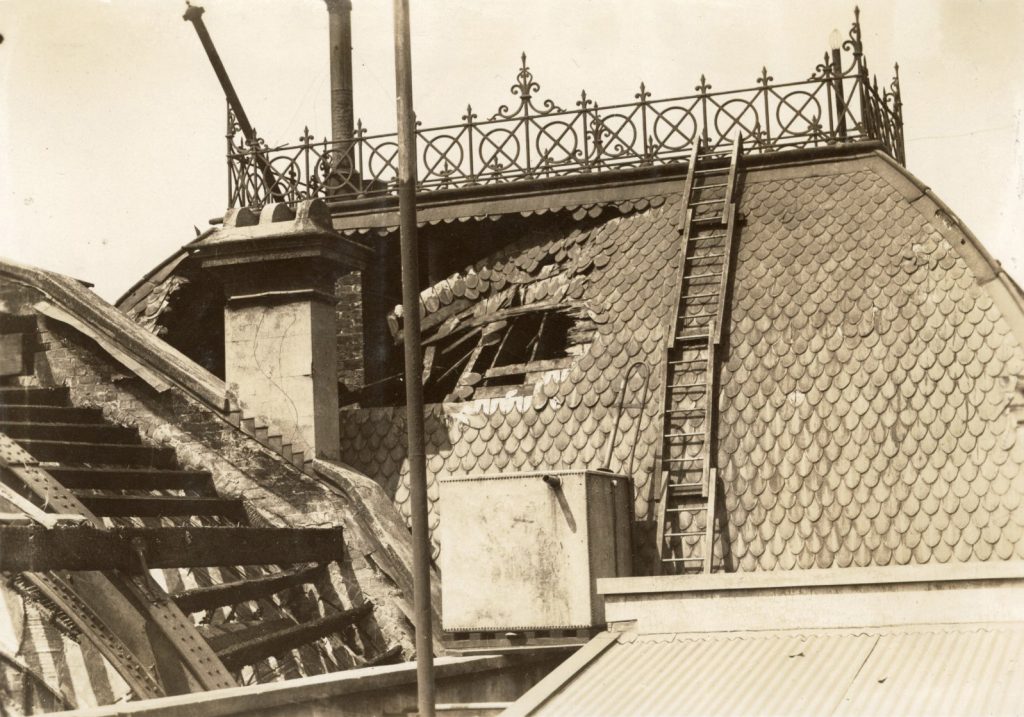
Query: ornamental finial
[[854, 44], [524, 85]]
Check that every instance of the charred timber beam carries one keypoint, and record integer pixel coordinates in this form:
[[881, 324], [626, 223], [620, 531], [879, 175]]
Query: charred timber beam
[[389, 657], [134, 549], [245, 647], [233, 593], [78, 477], [62, 451], [155, 506]]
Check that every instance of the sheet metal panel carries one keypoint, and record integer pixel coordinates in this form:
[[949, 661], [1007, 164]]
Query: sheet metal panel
[[966, 671], [928, 670], [525, 554]]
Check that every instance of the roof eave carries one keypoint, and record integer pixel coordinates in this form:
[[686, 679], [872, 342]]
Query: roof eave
[[560, 192]]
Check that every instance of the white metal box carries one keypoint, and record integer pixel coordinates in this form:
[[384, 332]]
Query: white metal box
[[523, 551]]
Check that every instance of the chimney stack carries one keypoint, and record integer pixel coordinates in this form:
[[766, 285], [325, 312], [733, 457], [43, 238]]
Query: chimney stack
[[278, 270], [340, 26]]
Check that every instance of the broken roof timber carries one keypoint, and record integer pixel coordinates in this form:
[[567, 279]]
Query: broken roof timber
[[85, 548]]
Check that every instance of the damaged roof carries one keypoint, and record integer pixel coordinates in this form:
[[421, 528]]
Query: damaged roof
[[868, 404], [151, 298], [105, 476]]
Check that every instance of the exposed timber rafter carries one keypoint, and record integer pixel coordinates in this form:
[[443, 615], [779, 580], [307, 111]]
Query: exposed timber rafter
[[245, 647], [31, 548], [214, 596]]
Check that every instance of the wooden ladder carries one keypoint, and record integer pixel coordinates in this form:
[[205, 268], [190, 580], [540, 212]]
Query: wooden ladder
[[689, 484]]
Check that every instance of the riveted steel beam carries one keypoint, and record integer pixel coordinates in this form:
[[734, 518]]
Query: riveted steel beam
[[105, 593]]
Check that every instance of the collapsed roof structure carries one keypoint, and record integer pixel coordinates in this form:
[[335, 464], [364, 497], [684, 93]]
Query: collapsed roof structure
[[806, 369]]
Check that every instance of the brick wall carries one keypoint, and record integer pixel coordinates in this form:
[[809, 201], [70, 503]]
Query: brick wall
[[348, 289]]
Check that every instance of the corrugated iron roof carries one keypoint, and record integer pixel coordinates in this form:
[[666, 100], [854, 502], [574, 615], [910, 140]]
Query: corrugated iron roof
[[926, 670]]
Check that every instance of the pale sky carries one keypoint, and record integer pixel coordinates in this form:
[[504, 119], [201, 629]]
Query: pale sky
[[112, 122]]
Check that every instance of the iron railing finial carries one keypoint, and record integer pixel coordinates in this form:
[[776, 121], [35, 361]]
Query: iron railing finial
[[531, 139]]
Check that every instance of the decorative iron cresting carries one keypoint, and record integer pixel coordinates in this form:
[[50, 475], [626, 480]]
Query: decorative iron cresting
[[839, 102]]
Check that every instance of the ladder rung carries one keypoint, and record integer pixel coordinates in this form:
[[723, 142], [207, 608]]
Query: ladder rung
[[702, 276], [688, 509], [696, 316], [693, 489], [687, 385], [706, 201], [679, 363], [719, 235], [691, 509], [684, 434], [705, 256], [686, 410], [700, 296], [681, 460], [712, 186], [685, 534]]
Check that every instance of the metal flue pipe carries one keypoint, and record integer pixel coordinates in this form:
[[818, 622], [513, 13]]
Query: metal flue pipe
[[339, 13], [413, 360]]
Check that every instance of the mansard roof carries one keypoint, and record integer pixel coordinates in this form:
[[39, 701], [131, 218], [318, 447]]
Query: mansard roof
[[869, 401]]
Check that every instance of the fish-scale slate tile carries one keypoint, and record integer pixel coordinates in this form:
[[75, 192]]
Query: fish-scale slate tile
[[148, 311], [863, 396], [861, 419], [617, 270]]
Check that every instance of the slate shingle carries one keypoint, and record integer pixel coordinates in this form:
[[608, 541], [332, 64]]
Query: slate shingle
[[863, 396]]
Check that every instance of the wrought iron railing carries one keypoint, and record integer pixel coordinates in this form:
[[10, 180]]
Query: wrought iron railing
[[836, 104]]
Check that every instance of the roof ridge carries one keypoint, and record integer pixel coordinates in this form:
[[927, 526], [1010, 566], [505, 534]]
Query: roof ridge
[[124, 335], [789, 633]]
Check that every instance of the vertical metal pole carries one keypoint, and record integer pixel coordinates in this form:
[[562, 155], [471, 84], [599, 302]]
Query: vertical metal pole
[[342, 115], [413, 360], [340, 30], [837, 74]]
